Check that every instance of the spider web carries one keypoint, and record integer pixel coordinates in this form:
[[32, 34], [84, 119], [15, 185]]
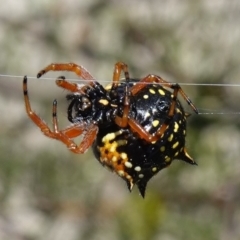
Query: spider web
[[202, 111]]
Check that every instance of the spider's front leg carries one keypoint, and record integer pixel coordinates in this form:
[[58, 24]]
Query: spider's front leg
[[71, 67]]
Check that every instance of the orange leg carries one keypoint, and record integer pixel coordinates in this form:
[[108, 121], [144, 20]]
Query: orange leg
[[61, 135], [136, 127], [156, 79], [65, 135], [71, 67], [119, 67], [34, 117], [72, 87]]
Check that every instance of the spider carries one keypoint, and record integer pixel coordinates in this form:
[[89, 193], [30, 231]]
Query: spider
[[136, 127]]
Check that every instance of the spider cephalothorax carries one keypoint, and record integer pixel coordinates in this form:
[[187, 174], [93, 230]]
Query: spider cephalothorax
[[92, 106], [136, 127]]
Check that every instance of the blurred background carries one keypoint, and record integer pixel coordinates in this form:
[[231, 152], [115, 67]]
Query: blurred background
[[47, 192]]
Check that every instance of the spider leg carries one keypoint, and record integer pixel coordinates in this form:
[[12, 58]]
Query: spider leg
[[72, 87], [73, 131], [136, 127], [156, 79], [34, 117], [63, 135], [119, 67], [71, 67], [77, 129]]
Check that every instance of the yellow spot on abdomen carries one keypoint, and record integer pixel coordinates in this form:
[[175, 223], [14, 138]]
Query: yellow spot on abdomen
[[145, 96], [167, 159], [137, 169], [108, 137], [161, 92], [111, 136], [176, 154], [176, 127], [123, 155], [175, 145], [113, 147], [162, 149], [170, 138], [128, 164], [152, 91], [154, 169]]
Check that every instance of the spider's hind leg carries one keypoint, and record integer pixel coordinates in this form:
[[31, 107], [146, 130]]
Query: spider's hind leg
[[32, 115], [65, 136]]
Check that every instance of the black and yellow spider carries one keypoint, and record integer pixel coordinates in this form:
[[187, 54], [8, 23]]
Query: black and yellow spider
[[136, 127]]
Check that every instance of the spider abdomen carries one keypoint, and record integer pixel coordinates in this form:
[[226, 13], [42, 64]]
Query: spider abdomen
[[135, 160]]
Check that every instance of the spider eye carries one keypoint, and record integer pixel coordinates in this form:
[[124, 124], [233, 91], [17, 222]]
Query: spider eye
[[86, 103], [83, 104]]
